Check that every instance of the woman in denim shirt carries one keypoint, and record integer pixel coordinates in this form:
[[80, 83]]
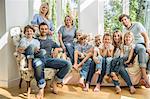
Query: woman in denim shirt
[[43, 16]]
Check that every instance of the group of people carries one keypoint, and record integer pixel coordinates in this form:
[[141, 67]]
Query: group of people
[[107, 56]]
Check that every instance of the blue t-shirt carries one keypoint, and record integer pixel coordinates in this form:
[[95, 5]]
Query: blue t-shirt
[[67, 35], [37, 19], [48, 44]]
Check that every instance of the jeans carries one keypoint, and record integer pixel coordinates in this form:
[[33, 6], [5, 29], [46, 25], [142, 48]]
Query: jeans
[[38, 67], [103, 71], [62, 65], [30, 52], [125, 76], [70, 51], [140, 50], [37, 64], [85, 69], [91, 72], [108, 64], [99, 66]]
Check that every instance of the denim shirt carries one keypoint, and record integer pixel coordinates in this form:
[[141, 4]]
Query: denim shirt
[[37, 19]]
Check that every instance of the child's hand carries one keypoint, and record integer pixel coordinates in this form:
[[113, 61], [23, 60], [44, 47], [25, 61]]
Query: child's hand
[[148, 51], [21, 49], [36, 50], [126, 62]]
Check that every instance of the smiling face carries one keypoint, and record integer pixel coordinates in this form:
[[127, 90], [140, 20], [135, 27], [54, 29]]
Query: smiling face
[[128, 38], [44, 8], [117, 37], [29, 33], [107, 39], [126, 21], [98, 40], [44, 30], [68, 21]]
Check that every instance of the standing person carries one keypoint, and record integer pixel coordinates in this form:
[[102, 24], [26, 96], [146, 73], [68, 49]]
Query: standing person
[[67, 34], [141, 43], [43, 16], [62, 65]]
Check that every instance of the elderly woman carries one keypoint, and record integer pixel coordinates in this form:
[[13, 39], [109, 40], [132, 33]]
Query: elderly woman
[[67, 34], [43, 16]]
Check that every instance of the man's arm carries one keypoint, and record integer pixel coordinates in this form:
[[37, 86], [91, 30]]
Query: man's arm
[[146, 39]]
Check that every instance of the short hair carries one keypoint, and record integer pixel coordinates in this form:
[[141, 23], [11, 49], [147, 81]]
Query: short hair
[[43, 23], [123, 15], [28, 27]]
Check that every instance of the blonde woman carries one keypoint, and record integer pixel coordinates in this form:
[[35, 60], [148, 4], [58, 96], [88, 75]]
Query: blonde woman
[[43, 16], [67, 34]]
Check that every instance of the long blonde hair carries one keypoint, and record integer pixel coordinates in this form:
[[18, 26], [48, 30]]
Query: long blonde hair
[[47, 14], [131, 34]]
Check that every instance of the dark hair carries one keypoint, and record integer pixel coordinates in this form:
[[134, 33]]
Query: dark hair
[[28, 27], [123, 15], [43, 23]]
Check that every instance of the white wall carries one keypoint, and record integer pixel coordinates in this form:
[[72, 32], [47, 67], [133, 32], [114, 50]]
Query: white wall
[[91, 16], [2, 17], [16, 13]]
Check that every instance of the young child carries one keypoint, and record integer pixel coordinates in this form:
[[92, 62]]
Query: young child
[[83, 51], [119, 63], [97, 59], [31, 48], [106, 51], [82, 54]]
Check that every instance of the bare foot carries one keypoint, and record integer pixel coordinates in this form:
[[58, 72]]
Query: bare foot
[[132, 90], [54, 85], [86, 87], [118, 89], [81, 82], [40, 95], [97, 88], [75, 67]]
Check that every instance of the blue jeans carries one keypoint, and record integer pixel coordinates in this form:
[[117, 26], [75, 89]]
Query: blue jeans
[[85, 69], [37, 64], [70, 51], [38, 67], [103, 71], [99, 66], [62, 65], [30, 52], [91, 72], [140, 50], [108, 64], [118, 66], [125, 76]]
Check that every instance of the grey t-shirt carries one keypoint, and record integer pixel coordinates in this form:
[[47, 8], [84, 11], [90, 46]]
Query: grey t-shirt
[[48, 44], [67, 35], [136, 28]]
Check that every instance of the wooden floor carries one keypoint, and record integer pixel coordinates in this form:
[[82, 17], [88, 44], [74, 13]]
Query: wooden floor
[[74, 92]]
